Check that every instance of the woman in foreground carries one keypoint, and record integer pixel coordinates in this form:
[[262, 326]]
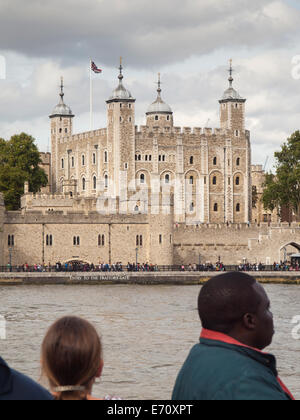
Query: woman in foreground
[[72, 359]]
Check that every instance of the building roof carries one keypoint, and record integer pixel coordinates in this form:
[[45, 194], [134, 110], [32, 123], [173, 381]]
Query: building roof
[[159, 106], [231, 94], [121, 93], [62, 109]]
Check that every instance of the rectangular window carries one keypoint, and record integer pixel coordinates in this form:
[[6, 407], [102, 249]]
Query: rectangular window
[[11, 240], [160, 239]]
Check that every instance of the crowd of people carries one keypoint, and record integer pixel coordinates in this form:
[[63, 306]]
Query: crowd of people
[[227, 364], [146, 267]]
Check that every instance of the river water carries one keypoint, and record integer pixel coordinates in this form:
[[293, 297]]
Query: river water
[[147, 332]]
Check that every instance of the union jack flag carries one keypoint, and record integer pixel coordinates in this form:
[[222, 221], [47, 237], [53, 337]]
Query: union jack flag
[[95, 68]]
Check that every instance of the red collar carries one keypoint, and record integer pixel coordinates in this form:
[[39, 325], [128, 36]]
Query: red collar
[[216, 336]]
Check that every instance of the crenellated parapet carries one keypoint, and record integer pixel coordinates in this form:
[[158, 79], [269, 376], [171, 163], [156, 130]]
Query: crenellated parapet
[[186, 131]]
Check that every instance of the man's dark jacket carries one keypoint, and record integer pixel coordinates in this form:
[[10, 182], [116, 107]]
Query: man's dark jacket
[[17, 387], [220, 368]]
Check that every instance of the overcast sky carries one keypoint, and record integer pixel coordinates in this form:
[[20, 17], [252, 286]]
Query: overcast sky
[[189, 41]]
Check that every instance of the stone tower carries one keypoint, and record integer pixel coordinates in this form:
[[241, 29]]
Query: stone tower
[[120, 156], [61, 126], [237, 157], [232, 107]]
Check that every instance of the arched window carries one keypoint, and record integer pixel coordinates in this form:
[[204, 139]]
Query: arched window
[[238, 161], [238, 208], [73, 162], [94, 158], [167, 179], [83, 160], [215, 207], [237, 180], [136, 209], [142, 179], [191, 160], [215, 161], [192, 207], [94, 183], [156, 118], [83, 184], [62, 164], [191, 180], [103, 240], [105, 157], [106, 181], [214, 180]]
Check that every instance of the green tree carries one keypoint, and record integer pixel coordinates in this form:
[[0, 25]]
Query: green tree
[[19, 162], [283, 188]]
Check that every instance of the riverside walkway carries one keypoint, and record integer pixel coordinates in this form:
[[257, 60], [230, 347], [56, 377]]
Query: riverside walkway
[[141, 278]]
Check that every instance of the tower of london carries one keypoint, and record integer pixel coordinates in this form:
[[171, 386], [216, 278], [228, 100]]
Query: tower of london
[[157, 194], [208, 172]]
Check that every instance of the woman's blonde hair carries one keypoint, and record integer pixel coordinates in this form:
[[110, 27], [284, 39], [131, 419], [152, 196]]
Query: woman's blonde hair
[[71, 358]]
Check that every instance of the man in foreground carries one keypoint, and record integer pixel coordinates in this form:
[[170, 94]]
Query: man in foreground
[[229, 364], [16, 387]]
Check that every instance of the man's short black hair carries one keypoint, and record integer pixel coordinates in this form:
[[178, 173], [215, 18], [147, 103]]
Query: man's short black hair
[[225, 299]]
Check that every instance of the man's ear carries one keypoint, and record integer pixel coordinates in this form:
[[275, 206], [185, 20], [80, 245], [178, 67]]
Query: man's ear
[[249, 321]]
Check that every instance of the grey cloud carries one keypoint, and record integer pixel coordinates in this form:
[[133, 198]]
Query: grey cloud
[[147, 33]]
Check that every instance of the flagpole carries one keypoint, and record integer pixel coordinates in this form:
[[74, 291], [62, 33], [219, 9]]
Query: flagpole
[[91, 97]]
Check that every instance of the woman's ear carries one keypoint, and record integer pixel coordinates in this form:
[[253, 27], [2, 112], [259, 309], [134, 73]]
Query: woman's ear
[[99, 371]]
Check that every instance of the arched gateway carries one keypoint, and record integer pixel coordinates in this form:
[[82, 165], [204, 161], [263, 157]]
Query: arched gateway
[[288, 250]]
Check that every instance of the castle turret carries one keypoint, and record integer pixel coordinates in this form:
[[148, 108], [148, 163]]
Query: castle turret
[[61, 126], [159, 113], [121, 135], [232, 108]]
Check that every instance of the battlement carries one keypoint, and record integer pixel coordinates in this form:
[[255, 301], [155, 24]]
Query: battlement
[[257, 168], [185, 131], [45, 158], [182, 227], [84, 136], [71, 217]]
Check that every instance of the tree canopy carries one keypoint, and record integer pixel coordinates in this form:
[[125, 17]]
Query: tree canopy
[[20, 162], [282, 189]]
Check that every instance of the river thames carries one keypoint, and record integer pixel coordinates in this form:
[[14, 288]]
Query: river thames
[[147, 332]]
